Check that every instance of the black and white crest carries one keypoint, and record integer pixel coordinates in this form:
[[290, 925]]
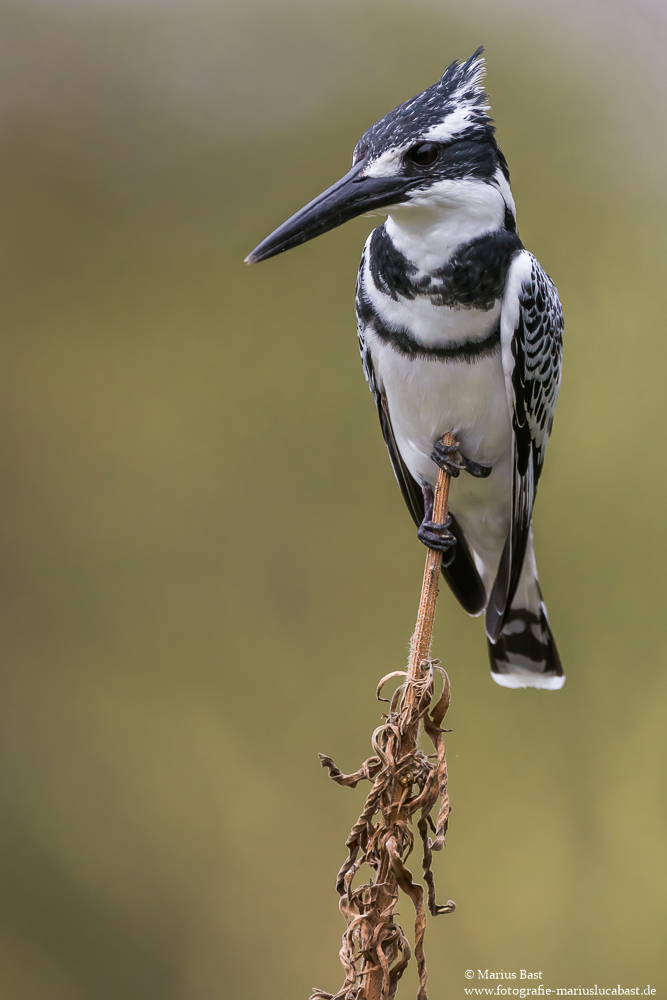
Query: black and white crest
[[454, 107]]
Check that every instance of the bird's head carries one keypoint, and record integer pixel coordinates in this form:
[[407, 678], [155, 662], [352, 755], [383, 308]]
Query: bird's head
[[414, 157]]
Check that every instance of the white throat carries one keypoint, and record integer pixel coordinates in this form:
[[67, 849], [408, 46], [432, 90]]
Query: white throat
[[433, 223]]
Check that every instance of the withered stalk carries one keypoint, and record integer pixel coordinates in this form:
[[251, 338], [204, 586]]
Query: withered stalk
[[420, 647], [375, 951]]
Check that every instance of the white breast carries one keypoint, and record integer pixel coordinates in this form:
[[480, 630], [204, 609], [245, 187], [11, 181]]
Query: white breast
[[428, 398]]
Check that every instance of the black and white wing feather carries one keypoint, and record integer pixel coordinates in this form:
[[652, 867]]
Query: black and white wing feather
[[531, 337]]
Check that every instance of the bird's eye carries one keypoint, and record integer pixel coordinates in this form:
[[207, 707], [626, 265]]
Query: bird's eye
[[424, 154]]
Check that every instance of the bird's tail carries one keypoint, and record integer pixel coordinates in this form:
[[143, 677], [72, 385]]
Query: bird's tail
[[525, 653]]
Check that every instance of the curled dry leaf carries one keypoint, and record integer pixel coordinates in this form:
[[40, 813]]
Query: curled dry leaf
[[406, 785]]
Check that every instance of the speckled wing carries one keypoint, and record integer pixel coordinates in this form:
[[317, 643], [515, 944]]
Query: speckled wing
[[531, 339]]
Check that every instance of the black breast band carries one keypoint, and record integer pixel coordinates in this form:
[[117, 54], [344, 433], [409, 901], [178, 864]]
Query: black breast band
[[473, 277], [467, 351]]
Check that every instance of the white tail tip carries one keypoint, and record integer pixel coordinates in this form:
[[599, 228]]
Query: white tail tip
[[527, 679]]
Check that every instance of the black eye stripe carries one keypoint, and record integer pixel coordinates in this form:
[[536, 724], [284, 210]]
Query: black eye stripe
[[423, 154]]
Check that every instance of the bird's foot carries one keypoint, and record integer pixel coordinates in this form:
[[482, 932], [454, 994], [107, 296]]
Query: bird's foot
[[448, 458], [445, 457], [436, 536]]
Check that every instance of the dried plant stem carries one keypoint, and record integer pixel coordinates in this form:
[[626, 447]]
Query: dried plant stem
[[405, 781], [420, 647]]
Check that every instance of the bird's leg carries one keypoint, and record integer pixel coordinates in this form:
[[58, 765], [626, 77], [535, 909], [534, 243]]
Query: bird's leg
[[433, 535], [448, 458]]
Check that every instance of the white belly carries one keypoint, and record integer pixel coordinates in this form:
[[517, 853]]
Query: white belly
[[428, 398]]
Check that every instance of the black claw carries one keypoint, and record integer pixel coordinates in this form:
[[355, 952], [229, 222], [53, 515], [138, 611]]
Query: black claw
[[436, 536], [475, 469]]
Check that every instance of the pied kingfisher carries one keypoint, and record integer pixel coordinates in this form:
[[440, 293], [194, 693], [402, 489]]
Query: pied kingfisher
[[460, 330]]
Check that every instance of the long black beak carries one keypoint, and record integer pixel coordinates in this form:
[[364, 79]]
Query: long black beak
[[349, 197]]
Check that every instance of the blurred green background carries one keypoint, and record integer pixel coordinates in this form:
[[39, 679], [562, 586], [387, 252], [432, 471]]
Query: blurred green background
[[206, 564]]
